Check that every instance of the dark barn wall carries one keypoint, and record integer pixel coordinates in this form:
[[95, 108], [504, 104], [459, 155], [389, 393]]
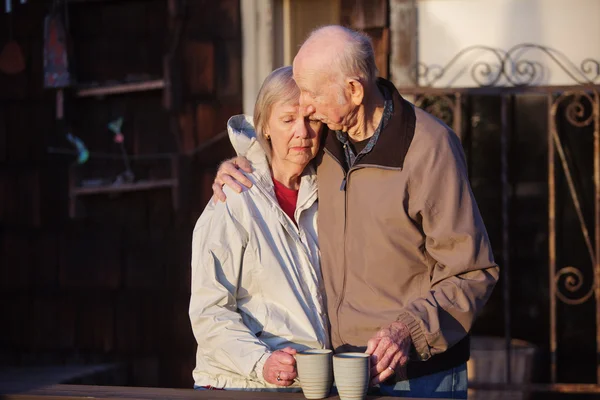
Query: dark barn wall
[[111, 285]]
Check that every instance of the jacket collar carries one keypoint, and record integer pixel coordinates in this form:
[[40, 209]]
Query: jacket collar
[[243, 139], [394, 141]]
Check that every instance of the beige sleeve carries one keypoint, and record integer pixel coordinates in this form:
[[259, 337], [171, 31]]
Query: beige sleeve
[[464, 272]]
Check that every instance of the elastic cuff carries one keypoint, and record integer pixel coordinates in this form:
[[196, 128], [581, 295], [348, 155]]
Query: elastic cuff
[[258, 367], [417, 336]]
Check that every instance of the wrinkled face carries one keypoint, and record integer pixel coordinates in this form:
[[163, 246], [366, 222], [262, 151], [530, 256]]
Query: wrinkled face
[[322, 97], [294, 138]]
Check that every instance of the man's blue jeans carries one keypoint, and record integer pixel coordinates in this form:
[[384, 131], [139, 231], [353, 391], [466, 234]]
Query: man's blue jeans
[[449, 384]]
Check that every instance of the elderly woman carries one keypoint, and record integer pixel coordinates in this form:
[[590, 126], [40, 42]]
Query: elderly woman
[[256, 280]]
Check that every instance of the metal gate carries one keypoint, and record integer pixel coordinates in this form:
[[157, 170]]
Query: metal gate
[[576, 107]]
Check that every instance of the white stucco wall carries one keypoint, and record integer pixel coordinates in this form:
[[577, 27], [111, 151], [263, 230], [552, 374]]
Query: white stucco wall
[[572, 27]]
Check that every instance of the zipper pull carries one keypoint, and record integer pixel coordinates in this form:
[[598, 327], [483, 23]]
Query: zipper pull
[[343, 186]]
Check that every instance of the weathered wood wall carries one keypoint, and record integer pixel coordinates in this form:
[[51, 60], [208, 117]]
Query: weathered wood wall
[[371, 17], [113, 284]]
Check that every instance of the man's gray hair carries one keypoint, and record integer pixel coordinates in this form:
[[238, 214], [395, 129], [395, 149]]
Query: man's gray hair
[[279, 86], [357, 59]]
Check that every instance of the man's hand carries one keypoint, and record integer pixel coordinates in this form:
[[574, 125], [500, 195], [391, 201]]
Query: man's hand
[[389, 350], [229, 174], [281, 364]]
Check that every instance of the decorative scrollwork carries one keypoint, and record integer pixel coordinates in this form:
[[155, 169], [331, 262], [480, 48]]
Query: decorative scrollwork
[[588, 66], [441, 106], [572, 280], [507, 67], [484, 73], [580, 110], [575, 113]]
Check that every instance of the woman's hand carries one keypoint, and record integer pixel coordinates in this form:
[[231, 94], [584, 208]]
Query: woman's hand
[[280, 367]]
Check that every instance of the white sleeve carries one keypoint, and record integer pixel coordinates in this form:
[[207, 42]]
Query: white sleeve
[[218, 246]]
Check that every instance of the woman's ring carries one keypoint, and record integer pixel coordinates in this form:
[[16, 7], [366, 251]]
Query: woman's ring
[[279, 377], [392, 369]]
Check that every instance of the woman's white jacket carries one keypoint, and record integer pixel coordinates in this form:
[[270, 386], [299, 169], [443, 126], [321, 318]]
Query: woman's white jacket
[[256, 278]]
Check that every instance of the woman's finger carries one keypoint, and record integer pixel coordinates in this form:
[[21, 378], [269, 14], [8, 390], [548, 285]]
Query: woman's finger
[[286, 368], [284, 358], [289, 350], [287, 376], [285, 383]]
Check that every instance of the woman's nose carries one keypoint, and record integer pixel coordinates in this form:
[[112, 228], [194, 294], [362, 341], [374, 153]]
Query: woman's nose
[[302, 128]]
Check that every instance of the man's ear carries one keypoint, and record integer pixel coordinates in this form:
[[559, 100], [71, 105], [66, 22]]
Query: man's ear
[[357, 91]]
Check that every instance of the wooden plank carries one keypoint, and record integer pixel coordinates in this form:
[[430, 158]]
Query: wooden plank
[[30, 190], [3, 138], [161, 215], [381, 45], [42, 127], [45, 260], [17, 329], [229, 74], [149, 126], [95, 324], [53, 323], [4, 194], [178, 272], [27, 378], [145, 371], [403, 42], [121, 88], [90, 260], [135, 325], [119, 392], [15, 257], [175, 369], [187, 135], [125, 187], [216, 19], [199, 66], [363, 14], [206, 121], [35, 64], [179, 334], [144, 260], [11, 198], [18, 128]]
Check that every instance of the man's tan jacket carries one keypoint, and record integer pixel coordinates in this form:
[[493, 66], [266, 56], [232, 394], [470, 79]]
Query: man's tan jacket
[[404, 240]]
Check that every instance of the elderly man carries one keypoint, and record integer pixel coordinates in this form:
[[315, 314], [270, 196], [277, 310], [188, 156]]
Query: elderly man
[[405, 256]]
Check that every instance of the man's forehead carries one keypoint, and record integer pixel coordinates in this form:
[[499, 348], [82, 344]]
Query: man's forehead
[[309, 73]]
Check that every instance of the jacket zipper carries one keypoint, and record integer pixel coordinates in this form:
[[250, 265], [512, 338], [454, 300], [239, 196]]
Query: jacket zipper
[[297, 232], [344, 188]]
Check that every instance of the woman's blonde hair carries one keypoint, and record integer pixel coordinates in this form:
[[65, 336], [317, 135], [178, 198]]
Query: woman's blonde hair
[[279, 86]]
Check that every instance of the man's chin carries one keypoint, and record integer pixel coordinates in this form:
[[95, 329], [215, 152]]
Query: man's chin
[[335, 127]]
